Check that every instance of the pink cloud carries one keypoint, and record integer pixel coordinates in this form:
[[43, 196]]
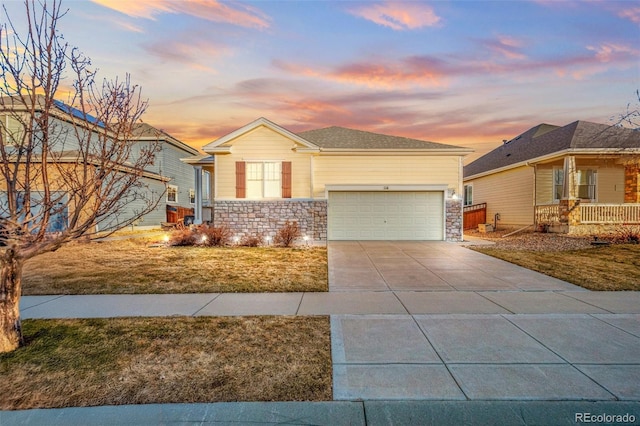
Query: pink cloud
[[422, 71], [398, 15], [193, 53], [506, 46], [632, 14], [210, 10]]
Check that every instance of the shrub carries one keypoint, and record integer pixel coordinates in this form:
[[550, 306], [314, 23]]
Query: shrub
[[251, 240], [213, 236], [627, 234], [287, 235], [182, 237]]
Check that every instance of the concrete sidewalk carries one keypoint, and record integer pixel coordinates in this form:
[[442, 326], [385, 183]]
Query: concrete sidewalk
[[423, 333], [402, 413], [332, 303]]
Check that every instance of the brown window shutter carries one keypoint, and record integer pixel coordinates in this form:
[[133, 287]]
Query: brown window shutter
[[240, 180], [286, 179]]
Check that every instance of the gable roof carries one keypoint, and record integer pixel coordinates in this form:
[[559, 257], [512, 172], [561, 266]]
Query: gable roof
[[144, 131], [216, 146], [341, 138], [544, 140]]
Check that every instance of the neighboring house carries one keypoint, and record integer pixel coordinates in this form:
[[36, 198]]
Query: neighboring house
[[167, 173], [337, 183], [179, 177], [580, 178]]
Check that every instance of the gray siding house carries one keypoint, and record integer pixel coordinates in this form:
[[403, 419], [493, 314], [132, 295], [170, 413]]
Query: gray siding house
[[168, 178]]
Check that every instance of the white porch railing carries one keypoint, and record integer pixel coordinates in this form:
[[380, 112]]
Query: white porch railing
[[610, 213], [547, 214]]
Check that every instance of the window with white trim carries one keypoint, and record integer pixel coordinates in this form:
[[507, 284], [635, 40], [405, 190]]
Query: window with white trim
[[468, 195], [172, 194], [264, 179], [192, 196], [11, 130], [206, 185], [586, 180], [558, 183]]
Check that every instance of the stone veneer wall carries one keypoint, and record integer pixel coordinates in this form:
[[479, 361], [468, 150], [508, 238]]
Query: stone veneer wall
[[453, 223], [249, 217], [631, 184], [253, 217]]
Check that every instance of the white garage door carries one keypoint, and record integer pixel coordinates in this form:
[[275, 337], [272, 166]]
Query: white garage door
[[390, 215]]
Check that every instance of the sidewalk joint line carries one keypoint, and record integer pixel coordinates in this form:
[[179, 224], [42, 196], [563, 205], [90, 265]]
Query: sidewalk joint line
[[45, 302], [206, 304]]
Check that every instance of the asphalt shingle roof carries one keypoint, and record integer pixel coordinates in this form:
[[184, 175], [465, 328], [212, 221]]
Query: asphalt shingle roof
[[546, 139], [342, 138]]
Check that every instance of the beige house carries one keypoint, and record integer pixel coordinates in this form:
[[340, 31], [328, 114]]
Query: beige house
[[580, 178], [337, 183]]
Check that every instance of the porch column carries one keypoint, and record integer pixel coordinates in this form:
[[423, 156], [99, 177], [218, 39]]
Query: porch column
[[198, 189], [569, 204], [632, 184], [569, 186]]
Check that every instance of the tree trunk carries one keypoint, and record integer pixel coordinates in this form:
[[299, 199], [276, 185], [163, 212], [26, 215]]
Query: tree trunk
[[10, 290]]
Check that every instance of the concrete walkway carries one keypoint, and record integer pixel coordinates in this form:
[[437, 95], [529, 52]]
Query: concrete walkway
[[422, 333]]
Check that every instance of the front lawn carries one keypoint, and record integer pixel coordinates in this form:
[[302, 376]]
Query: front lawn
[[136, 266], [615, 267], [88, 362]]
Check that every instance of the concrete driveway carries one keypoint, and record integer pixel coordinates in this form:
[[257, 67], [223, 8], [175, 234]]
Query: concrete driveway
[[453, 324]]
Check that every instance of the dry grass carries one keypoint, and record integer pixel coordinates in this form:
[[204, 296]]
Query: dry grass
[[136, 266], [616, 267], [92, 362]]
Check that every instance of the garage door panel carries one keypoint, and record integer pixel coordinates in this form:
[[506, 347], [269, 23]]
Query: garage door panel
[[385, 215]]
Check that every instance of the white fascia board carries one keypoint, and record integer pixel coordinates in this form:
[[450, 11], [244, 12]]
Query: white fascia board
[[219, 150], [252, 126], [426, 152]]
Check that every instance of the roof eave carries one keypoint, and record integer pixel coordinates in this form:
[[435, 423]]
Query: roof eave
[[252, 126], [380, 151], [557, 154]]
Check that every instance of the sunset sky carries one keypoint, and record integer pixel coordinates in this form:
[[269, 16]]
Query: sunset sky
[[469, 73]]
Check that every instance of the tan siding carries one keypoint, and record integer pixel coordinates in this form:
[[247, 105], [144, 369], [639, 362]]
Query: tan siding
[[262, 144], [610, 185], [544, 184], [384, 170], [509, 193]]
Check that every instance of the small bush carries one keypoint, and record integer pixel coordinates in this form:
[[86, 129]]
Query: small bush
[[212, 236], [287, 235], [251, 240], [627, 234], [182, 237]]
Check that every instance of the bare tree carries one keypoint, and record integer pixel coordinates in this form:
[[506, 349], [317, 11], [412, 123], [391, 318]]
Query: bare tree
[[630, 118], [69, 169]]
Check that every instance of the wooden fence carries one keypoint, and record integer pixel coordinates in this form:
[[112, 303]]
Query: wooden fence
[[176, 214], [474, 215]]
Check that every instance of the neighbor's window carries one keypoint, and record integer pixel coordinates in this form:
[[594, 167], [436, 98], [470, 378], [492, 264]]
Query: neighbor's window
[[172, 194], [468, 195], [558, 182], [586, 184], [192, 196], [11, 130], [206, 185], [264, 180]]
